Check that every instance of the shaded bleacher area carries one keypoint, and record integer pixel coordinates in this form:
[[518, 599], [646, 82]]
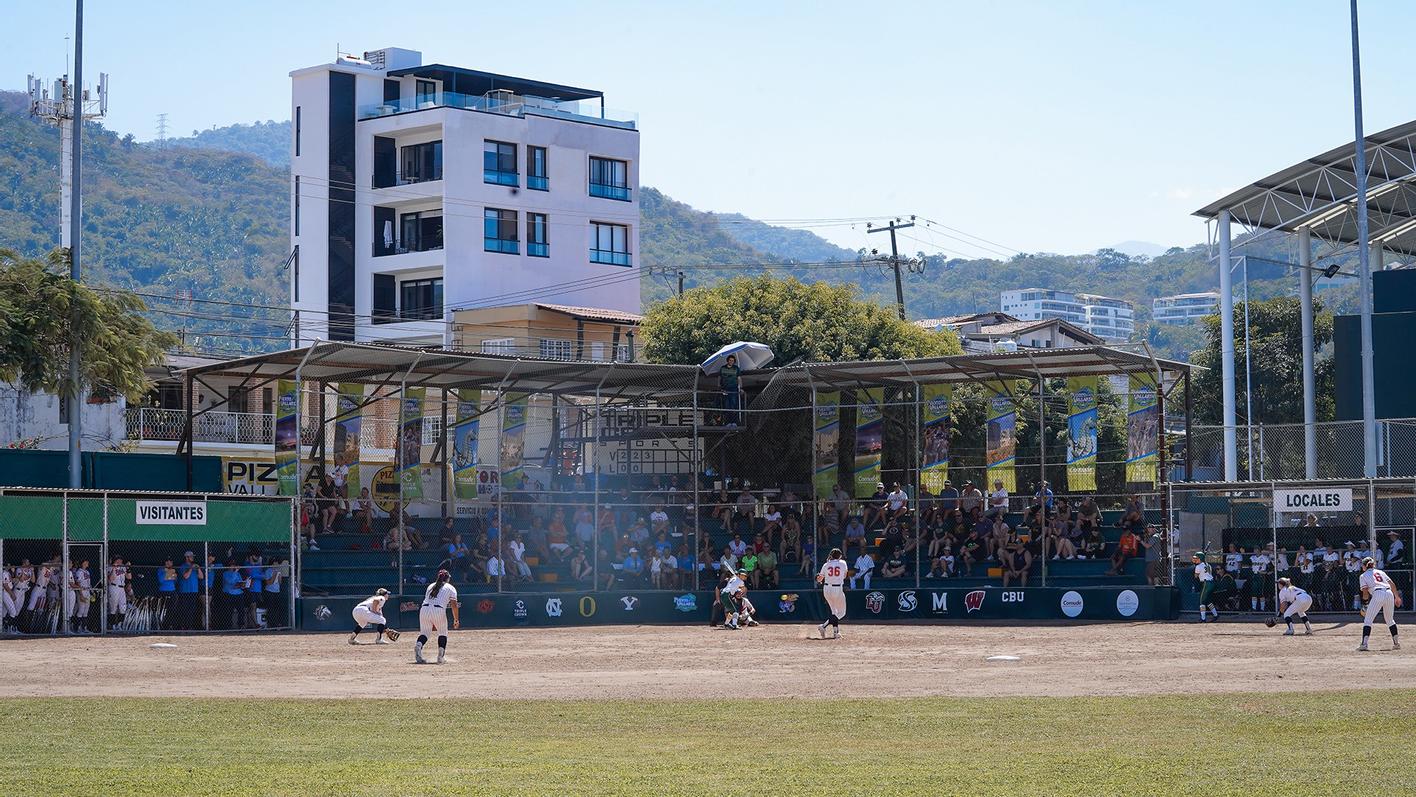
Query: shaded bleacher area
[[348, 562]]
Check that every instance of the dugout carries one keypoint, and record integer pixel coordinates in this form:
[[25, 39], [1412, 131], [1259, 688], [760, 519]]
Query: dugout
[[60, 552], [501, 445]]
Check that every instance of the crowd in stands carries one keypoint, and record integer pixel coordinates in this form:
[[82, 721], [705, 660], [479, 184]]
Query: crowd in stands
[[238, 591]]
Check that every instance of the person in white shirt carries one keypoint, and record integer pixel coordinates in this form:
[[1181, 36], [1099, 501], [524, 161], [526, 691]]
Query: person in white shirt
[[432, 616], [1379, 596], [998, 499], [370, 612], [864, 565], [1396, 551], [518, 557], [832, 579], [1258, 582], [8, 608], [1205, 579], [118, 591], [495, 567], [732, 599], [1294, 602], [897, 501], [670, 568]]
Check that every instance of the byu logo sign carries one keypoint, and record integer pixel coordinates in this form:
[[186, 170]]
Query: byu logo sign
[[1329, 499]]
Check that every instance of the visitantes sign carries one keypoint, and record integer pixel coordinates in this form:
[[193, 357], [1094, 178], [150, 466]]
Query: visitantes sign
[[1313, 499], [171, 513]]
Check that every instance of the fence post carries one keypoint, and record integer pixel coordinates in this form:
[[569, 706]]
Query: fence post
[[206, 584], [63, 575], [103, 572], [294, 563], [694, 509], [1372, 516]]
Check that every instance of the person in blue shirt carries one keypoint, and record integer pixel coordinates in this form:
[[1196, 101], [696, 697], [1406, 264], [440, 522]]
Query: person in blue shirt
[[189, 578], [166, 595], [254, 573], [233, 590], [275, 606], [633, 571]]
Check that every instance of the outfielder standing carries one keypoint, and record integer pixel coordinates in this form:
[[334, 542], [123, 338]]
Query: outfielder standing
[[1294, 602], [832, 579], [370, 612], [1204, 577], [432, 617], [1377, 596]]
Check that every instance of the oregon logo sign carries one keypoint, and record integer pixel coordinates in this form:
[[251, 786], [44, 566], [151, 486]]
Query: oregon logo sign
[[587, 606]]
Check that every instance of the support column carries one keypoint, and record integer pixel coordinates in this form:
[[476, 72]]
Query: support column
[[1310, 410], [1226, 327]]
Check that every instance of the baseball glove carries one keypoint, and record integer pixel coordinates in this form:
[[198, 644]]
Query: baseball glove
[[1270, 622], [391, 634]]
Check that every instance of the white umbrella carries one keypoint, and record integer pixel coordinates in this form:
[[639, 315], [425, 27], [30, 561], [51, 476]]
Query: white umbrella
[[750, 357]]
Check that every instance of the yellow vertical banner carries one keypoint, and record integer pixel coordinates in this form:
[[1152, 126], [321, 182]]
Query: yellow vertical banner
[[1142, 430], [869, 439], [1002, 437], [827, 441], [1082, 427], [934, 431]]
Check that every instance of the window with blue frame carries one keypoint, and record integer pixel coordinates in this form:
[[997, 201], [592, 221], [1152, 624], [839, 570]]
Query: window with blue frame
[[500, 232], [609, 244], [609, 179], [537, 230], [499, 163], [537, 175]]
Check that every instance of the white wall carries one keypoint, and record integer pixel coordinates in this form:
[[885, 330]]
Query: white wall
[[27, 415]]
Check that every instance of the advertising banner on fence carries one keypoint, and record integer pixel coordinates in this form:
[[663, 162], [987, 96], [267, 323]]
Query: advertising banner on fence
[[513, 439], [1142, 430], [827, 441], [934, 423], [1082, 425], [1002, 439], [869, 439], [347, 432], [410, 442], [464, 444], [287, 437]]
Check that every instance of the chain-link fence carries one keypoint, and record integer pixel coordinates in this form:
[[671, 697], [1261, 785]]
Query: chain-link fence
[[1314, 533], [1275, 452], [85, 562]]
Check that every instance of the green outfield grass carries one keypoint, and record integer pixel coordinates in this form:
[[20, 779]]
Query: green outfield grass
[[1285, 744]]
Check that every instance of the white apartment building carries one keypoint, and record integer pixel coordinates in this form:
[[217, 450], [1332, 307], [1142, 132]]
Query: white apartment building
[[421, 189], [1107, 318], [1184, 308]]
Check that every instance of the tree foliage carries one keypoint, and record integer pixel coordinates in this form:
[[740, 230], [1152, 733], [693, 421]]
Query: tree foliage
[[1276, 359], [816, 323], [42, 311]]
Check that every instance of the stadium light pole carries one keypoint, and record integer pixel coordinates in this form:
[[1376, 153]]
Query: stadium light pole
[[1364, 266], [76, 393]]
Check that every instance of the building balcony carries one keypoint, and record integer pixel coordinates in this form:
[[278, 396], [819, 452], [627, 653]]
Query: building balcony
[[538, 250], [538, 183], [158, 425], [505, 246], [619, 192], [609, 258], [494, 177], [509, 105]]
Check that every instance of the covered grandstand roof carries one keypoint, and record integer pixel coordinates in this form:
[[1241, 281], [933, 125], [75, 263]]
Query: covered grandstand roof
[[386, 364], [1320, 194]]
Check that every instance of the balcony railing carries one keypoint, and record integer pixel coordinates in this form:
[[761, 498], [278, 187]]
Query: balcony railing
[[501, 178], [580, 111], [538, 250], [609, 258], [606, 191], [410, 179], [535, 183], [506, 246], [153, 424]]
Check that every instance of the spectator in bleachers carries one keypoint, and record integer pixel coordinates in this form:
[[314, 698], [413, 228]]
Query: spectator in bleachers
[[721, 509], [495, 568], [328, 498], [910, 541], [790, 550], [891, 541], [1127, 547], [808, 554], [687, 564], [840, 504], [659, 519], [536, 538], [639, 533], [1059, 531], [458, 555], [759, 544], [772, 525], [743, 511], [581, 572], [656, 570], [970, 550], [518, 566], [1134, 517], [662, 543], [633, 570], [737, 545], [364, 511], [767, 572], [942, 561], [893, 567], [897, 503], [1157, 547], [997, 537], [948, 498], [1042, 497], [309, 516], [855, 534], [557, 537], [998, 499], [584, 526], [1016, 560], [970, 498], [1093, 545], [729, 561], [1088, 515], [864, 569], [706, 557], [446, 533], [875, 506]]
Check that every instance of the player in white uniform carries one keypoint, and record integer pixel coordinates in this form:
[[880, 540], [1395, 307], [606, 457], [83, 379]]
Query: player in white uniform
[[832, 579], [1205, 578], [8, 608], [1379, 596], [117, 592], [432, 617], [1294, 602], [734, 607], [370, 612]]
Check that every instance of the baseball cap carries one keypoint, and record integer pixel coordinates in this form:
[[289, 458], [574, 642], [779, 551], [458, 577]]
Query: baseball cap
[[189, 553], [741, 572], [634, 550], [444, 575]]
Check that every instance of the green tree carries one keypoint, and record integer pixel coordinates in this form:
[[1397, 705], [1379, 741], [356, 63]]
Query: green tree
[[1276, 359], [816, 323], [42, 310]]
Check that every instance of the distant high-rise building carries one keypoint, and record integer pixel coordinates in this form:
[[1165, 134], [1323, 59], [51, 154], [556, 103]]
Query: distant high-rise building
[[1107, 318], [421, 189], [1184, 308]]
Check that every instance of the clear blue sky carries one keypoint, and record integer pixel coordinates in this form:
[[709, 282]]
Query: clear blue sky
[[1045, 126]]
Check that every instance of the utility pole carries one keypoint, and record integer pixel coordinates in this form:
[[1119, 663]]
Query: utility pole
[[680, 278], [1364, 267], [68, 108], [895, 259]]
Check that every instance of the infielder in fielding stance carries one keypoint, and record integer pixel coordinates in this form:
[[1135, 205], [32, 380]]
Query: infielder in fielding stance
[[370, 612], [1294, 602], [432, 617], [832, 579], [1378, 595]]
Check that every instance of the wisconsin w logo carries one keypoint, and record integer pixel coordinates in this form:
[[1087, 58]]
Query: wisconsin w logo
[[974, 600]]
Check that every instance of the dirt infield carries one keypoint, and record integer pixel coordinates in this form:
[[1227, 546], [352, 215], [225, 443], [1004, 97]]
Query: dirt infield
[[696, 662]]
